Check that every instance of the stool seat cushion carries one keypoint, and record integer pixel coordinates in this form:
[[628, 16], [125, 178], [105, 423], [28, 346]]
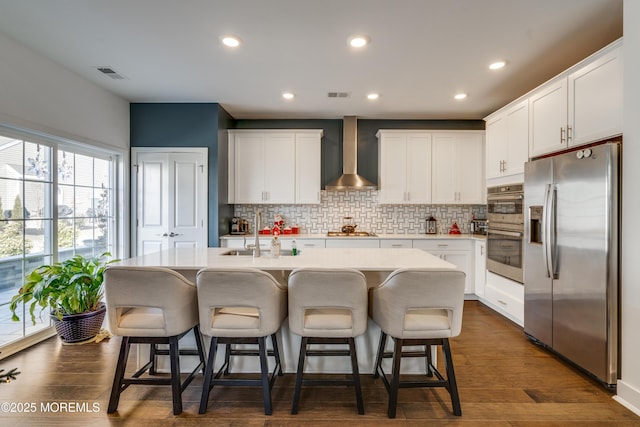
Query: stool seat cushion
[[141, 318], [328, 320], [235, 318], [434, 322]]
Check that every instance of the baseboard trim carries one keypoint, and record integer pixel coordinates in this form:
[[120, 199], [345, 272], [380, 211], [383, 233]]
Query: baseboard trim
[[628, 396]]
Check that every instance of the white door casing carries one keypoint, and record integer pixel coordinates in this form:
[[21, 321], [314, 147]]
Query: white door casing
[[169, 186]]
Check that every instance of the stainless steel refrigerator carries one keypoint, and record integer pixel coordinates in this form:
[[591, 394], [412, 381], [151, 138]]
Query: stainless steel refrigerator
[[571, 284]]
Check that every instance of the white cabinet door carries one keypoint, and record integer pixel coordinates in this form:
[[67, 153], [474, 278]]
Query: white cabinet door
[[404, 160], [458, 168], [308, 173], [480, 259], [392, 160], [517, 139], [249, 168], [595, 99], [496, 133], [548, 118], [279, 167], [417, 167], [443, 166], [470, 169], [455, 251], [462, 260]]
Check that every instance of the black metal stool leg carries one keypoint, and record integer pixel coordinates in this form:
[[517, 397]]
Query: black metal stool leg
[[200, 345], [276, 353], [395, 378], [264, 369], [355, 373], [208, 373], [428, 360], [379, 356], [176, 385], [116, 388], [227, 358], [299, 374], [451, 378], [152, 359]]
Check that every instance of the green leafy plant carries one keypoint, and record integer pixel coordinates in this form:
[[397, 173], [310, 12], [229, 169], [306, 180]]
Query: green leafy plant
[[72, 286]]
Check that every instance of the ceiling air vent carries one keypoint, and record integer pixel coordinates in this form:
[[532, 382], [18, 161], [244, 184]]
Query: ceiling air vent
[[110, 72], [338, 95]]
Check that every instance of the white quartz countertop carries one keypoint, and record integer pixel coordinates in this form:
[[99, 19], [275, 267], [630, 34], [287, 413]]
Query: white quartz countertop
[[365, 259], [377, 236]]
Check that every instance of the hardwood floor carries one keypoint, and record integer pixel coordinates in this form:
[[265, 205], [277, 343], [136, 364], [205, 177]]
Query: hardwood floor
[[503, 379]]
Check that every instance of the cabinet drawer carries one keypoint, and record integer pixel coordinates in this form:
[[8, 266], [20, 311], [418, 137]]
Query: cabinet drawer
[[353, 243], [303, 243], [506, 296], [443, 244], [396, 243]]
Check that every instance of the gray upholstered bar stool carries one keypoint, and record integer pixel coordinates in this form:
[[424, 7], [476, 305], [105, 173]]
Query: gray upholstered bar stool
[[240, 306], [327, 306], [151, 305], [419, 307]]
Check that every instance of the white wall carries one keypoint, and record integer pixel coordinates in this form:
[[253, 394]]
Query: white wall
[[39, 94], [629, 386]]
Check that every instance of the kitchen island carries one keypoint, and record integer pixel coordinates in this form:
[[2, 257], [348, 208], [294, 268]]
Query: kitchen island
[[375, 263]]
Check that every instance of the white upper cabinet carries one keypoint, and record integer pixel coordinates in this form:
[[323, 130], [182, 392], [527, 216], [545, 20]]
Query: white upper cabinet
[[548, 118], [404, 167], [308, 172], [595, 99], [581, 106], [507, 139], [458, 168], [271, 167]]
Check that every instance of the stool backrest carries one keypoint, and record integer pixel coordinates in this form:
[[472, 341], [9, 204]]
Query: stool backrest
[[158, 288], [327, 288], [242, 288], [414, 289]]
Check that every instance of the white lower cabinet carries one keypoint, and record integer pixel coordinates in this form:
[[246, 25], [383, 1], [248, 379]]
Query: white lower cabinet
[[505, 296], [457, 252], [301, 244]]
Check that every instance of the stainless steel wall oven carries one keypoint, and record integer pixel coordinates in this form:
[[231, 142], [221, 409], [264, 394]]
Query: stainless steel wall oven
[[505, 231]]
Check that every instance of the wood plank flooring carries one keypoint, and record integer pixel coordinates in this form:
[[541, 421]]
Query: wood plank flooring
[[503, 379]]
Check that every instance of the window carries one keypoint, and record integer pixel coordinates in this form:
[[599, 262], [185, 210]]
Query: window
[[56, 201]]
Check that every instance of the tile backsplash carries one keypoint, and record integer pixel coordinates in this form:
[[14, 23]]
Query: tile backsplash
[[368, 214]]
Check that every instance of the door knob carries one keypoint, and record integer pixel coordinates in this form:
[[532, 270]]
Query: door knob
[[173, 234]]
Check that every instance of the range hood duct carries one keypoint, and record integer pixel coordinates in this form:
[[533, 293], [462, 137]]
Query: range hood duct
[[350, 180]]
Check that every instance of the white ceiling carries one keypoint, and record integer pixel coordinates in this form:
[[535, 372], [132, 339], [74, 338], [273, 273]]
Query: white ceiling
[[422, 52]]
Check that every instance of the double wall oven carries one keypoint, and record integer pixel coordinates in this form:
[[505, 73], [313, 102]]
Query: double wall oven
[[505, 231]]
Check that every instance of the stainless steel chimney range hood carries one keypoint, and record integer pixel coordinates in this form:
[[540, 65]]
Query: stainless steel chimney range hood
[[350, 180]]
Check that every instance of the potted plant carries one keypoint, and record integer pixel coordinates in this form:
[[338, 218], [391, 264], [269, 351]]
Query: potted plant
[[73, 290]]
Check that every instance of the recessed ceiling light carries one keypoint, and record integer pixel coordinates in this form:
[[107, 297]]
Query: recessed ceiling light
[[497, 65], [231, 41], [359, 41], [373, 96], [460, 96], [288, 95]]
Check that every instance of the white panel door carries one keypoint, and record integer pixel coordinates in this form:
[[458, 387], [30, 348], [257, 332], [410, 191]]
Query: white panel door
[[249, 168], [308, 172], [469, 162], [444, 169], [392, 169], [171, 200], [418, 169], [548, 118]]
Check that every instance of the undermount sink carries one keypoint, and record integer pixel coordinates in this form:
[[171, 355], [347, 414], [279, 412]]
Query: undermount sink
[[263, 253]]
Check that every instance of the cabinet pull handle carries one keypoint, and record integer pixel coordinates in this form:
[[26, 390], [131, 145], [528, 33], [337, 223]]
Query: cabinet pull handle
[[442, 245], [502, 302], [561, 135], [569, 133], [481, 250], [309, 245], [396, 245]]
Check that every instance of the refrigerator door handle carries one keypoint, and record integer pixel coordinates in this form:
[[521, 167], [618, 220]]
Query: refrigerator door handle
[[550, 231], [545, 238]]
